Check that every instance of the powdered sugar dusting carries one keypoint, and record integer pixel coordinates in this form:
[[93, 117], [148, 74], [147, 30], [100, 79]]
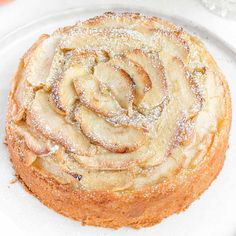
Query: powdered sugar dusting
[[80, 50], [140, 120]]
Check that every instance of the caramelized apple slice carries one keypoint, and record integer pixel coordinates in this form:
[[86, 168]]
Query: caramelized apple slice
[[118, 82], [117, 40], [152, 65], [114, 138], [29, 157], [118, 161], [35, 144], [161, 32], [95, 98], [172, 44], [65, 166], [179, 82], [173, 119], [40, 59], [22, 94], [64, 60], [138, 75], [63, 92], [57, 68], [78, 64], [126, 20], [53, 126], [86, 59], [107, 180]]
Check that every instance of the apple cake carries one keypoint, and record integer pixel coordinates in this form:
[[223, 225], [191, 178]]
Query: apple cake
[[119, 120]]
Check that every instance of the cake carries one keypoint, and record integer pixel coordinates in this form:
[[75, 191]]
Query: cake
[[119, 120]]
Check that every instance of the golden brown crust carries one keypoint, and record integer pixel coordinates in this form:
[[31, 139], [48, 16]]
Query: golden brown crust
[[137, 208]]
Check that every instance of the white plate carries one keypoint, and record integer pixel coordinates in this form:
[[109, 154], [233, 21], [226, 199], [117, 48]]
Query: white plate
[[23, 214]]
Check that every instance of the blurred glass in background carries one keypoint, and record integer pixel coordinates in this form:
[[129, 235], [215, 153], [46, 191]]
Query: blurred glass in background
[[223, 8]]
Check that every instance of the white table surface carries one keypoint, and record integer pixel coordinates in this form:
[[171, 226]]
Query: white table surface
[[19, 12]]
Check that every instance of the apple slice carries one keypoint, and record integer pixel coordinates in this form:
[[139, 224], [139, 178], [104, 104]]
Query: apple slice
[[113, 41], [126, 20], [118, 82], [37, 145], [39, 59], [179, 83], [53, 126], [23, 93], [174, 116], [117, 161], [172, 44], [87, 59], [161, 32], [141, 79], [91, 179], [63, 93], [114, 138], [65, 59], [96, 99], [153, 67]]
